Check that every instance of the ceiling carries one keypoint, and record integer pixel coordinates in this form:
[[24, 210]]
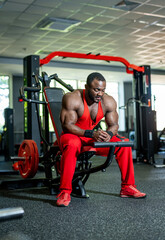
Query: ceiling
[[136, 32]]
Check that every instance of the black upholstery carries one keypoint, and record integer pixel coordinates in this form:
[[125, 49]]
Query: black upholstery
[[54, 101]]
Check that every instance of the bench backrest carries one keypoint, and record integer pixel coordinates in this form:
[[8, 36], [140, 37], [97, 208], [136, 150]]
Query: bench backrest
[[53, 97]]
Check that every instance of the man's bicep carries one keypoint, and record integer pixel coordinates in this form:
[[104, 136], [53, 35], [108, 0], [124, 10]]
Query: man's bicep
[[111, 118], [111, 115], [68, 116]]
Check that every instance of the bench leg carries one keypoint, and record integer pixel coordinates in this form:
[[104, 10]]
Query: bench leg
[[78, 189]]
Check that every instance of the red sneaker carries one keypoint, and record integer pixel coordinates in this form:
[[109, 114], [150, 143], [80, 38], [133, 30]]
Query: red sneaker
[[63, 199], [131, 192]]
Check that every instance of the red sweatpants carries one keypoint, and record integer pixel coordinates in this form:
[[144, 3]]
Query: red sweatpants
[[71, 146]]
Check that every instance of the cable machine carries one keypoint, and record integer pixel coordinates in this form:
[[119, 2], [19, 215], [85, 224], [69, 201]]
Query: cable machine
[[144, 117]]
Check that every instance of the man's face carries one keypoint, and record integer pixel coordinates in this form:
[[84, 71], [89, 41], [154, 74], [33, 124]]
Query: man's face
[[96, 90]]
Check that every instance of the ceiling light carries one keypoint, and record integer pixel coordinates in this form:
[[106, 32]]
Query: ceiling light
[[156, 23], [58, 24], [159, 24], [126, 5]]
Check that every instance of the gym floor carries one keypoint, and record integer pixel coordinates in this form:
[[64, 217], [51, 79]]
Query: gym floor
[[103, 216]]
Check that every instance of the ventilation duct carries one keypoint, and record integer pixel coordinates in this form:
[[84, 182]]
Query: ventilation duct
[[58, 24], [126, 5]]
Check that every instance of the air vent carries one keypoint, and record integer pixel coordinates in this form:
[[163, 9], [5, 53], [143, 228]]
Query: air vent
[[58, 24], [43, 52], [126, 5]]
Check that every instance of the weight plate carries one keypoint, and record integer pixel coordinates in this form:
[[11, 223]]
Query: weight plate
[[28, 167], [36, 157]]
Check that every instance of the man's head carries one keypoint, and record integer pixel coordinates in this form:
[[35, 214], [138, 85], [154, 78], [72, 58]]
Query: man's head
[[94, 75], [95, 86]]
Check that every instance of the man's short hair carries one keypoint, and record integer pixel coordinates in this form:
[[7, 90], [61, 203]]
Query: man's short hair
[[94, 75]]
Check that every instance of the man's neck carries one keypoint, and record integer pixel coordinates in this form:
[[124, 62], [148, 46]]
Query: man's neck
[[89, 100]]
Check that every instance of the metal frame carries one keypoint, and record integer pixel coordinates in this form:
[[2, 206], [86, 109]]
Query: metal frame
[[129, 66]]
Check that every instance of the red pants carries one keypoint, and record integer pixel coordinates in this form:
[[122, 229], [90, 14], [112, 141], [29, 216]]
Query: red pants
[[71, 146]]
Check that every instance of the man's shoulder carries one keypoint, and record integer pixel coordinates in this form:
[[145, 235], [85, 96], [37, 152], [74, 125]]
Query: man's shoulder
[[75, 94], [109, 102], [72, 97], [107, 97]]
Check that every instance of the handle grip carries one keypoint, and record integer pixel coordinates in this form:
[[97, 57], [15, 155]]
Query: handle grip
[[113, 144]]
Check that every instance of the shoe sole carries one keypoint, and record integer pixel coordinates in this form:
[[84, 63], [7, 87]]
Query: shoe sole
[[62, 205], [126, 196]]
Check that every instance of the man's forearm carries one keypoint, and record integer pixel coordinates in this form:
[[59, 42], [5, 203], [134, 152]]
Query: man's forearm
[[113, 129], [72, 128]]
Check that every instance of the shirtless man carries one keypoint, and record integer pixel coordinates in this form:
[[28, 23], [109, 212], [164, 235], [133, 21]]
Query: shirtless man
[[81, 111]]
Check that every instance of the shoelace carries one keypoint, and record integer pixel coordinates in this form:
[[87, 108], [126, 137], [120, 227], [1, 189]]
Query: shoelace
[[62, 194], [59, 194], [134, 189]]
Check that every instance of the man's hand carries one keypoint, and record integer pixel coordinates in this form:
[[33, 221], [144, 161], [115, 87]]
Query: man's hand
[[101, 136]]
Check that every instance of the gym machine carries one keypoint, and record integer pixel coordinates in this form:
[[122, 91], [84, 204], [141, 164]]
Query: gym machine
[[28, 155], [29, 152], [145, 133], [144, 117], [161, 149], [161, 142], [31, 67], [8, 133]]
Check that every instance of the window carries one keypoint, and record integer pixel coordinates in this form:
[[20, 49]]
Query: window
[[4, 98], [81, 84], [112, 90], [158, 92]]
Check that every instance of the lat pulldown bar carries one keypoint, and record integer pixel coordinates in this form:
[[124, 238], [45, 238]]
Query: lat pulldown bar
[[92, 56]]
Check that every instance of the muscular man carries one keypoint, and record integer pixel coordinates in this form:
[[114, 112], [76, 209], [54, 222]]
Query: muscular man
[[81, 111]]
